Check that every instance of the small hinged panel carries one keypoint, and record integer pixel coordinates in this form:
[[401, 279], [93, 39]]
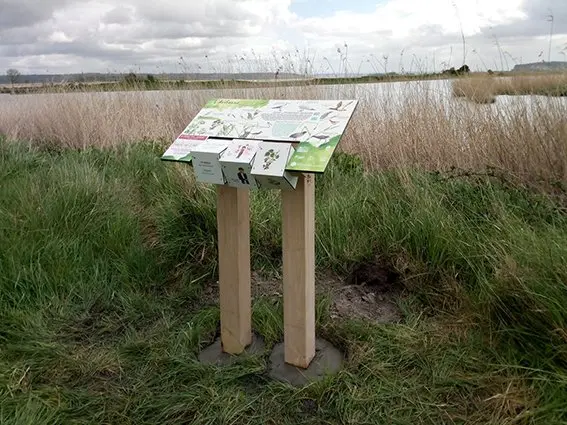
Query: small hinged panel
[[269, 166], [206, 161], [236, 163]]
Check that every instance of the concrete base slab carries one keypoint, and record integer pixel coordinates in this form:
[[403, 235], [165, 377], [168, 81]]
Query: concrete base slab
[[213, 354], [328, 360]]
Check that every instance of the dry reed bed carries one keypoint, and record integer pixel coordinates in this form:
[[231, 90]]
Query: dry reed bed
[[484, 89], [409, 125]]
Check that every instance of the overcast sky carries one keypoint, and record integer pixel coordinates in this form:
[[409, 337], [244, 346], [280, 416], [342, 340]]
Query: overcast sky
[[330, 36]]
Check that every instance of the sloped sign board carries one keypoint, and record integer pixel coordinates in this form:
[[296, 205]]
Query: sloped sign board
[[317, 125]]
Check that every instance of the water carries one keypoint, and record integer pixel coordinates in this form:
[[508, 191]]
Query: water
[[439, 90], [360, 91]]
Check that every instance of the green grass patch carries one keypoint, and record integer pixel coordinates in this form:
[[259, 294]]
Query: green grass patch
[[105, 255]]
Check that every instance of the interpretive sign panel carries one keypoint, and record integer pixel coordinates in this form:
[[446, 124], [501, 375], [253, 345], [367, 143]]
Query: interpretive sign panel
[[317, 125]]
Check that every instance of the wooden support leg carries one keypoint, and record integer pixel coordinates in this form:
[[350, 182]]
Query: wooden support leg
[[233, 219], [298, 222]]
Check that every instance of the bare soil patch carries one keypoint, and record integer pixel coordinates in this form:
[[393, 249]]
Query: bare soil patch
[[370, 292]]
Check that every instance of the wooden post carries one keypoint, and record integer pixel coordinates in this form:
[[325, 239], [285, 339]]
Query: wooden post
[[298, 225], [233, 219]]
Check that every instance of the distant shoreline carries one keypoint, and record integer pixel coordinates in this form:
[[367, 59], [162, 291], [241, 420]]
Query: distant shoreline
[[155, 84]]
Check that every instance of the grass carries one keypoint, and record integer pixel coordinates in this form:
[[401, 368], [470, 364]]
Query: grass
[[484, 89], [105, 254]]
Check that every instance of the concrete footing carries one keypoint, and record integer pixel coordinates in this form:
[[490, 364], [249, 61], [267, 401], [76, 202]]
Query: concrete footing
[[328, 360], [213, 354]]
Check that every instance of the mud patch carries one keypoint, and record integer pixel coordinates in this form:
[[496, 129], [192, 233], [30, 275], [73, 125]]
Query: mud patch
[[378, 274], [370, 292], [363, 303]]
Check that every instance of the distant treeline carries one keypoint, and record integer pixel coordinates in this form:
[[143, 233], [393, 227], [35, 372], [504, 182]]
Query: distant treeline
[[129, 78], [112, 77], [93, 77]]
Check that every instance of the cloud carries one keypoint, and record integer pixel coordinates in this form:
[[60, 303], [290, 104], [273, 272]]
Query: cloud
[[224, 35], [401, 18], [119, 15], [23, 13]]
